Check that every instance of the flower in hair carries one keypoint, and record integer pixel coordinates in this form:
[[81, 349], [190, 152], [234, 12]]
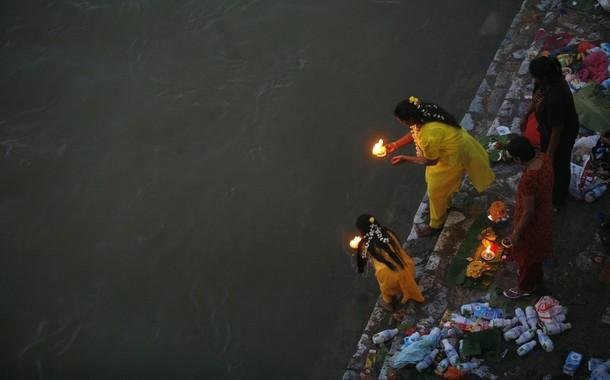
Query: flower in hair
[[374, 233], [413, 100]]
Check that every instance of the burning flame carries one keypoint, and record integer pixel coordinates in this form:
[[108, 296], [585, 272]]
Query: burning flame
[[354, 242], [488, 254], [379, 149]]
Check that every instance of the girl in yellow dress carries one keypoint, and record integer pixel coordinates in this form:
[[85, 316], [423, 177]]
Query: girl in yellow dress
[[447, 150], [394, 268]]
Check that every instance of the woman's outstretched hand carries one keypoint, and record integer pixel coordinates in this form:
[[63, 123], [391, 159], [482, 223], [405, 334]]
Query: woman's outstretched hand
[[390, 147], [396, 160]]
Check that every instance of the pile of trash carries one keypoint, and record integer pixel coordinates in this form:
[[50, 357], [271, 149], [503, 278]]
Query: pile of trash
[[583, 63], [590, 168], [600, 370], [464, 340]]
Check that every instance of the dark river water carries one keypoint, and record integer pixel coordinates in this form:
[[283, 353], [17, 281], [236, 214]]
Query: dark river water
[[179, 178]]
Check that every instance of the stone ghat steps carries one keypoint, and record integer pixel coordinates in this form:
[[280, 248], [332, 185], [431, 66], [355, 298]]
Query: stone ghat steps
[[500, 100]]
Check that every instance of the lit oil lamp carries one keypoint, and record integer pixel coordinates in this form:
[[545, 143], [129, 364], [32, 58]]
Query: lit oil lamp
[[488, 254], [379, 149], [489, 250], [354, 242]]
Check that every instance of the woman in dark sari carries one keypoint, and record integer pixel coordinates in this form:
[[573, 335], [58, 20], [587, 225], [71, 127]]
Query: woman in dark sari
[[557, 121]]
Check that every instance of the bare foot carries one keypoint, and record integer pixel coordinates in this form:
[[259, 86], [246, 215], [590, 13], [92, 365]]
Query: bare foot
[[425, 230]]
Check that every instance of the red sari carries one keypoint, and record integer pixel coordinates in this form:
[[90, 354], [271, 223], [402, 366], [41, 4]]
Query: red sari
[[536, 243]]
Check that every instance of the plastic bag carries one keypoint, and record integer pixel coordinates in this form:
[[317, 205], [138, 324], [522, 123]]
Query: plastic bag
[[547, 308], [583, 179], [416, 351]]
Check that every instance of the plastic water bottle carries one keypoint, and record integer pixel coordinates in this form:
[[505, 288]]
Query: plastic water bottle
[[467, 367], [471, 307], [545, 342], [527, 347], [452, 355], [555, 328], [513, 322], [526, 337], [515, 332], [426, 361], [595, 193], [521, 316], [501, 322], [531, 317], [488, 313], [442, 366], [384, 336]]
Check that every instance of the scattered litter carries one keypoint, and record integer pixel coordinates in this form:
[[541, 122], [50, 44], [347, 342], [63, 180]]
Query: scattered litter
[[483, 372], [572, 363], [599, 370], [502, 130]]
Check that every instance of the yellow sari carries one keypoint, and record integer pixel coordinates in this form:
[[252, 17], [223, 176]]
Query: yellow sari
[[458, 153], [402, 281]]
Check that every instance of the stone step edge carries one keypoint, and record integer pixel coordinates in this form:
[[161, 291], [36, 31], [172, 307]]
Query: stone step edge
[[378, 313]]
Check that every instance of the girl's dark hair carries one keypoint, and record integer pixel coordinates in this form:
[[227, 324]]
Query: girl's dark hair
[[521, 148], [376, 246], [423, 113], [546, 68]]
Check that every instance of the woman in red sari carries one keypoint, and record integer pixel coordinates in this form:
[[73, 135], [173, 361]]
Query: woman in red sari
[[532, 235]]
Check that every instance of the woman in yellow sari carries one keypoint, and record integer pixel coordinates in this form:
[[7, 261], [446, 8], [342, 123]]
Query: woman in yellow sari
[[394, 268], [447, 150]]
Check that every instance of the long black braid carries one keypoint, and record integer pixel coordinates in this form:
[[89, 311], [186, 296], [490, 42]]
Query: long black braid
[[412, 111], [377, 246]]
